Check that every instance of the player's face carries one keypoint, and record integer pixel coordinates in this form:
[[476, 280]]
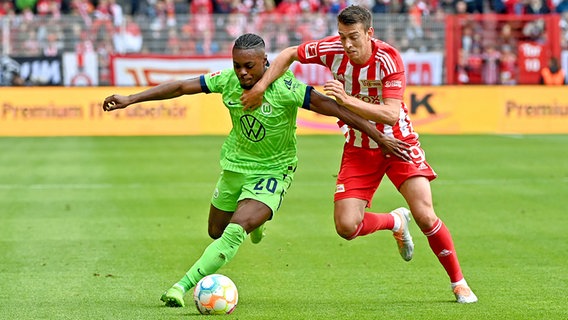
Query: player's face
[[356, 41], [249, 65]]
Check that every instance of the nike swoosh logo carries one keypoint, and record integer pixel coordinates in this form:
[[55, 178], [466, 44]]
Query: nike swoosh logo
[[199, 271], [232, 103]]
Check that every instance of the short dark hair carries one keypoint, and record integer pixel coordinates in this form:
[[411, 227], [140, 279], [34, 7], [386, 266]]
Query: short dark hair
[[249, 41], [355, 14]]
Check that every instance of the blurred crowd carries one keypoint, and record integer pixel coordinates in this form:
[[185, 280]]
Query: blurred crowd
[[208, 27]]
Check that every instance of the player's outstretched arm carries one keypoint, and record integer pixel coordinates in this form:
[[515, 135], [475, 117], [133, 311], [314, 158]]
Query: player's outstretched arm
[[163, 91], [387, 114], [324, 105], [252, 99]]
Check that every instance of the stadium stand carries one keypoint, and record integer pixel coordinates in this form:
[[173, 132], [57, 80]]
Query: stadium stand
[[208, 27]]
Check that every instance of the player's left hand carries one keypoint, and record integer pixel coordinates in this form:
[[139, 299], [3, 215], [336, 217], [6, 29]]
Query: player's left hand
[[252, 99], [334, 88], [391, 146]]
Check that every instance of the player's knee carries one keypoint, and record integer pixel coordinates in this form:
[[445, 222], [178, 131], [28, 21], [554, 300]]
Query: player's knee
[[425, 219], [344, 231], [215, 233]]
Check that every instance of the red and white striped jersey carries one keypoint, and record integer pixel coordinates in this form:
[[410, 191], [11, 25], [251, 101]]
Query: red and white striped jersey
[[381, 77]]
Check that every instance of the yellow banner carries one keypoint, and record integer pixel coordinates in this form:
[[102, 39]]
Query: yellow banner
[[489, 109], [60, 111], [43, 111]]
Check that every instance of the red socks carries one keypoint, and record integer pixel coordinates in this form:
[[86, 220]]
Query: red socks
[[373, 222], [442, 245], [438, 236]]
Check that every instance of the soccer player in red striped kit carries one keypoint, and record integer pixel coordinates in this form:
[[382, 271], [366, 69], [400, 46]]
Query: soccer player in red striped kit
[[369, 80]]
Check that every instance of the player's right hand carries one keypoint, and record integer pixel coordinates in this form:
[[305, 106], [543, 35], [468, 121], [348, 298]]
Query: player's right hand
[[114, 102], [252, 99]]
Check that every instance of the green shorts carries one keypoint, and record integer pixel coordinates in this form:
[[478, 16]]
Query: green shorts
[[267, 188]]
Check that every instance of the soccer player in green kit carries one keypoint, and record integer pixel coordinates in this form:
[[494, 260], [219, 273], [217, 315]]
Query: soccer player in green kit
[[258, 157]]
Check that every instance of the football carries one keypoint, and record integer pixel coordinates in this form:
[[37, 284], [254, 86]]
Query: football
[[215, 294]]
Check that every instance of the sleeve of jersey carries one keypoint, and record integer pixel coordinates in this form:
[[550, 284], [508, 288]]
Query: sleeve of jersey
[[394, 85], [301, 91], [214, 82], [291, 92], [394, 81], [307, 98], [309, 52], [203, 83]]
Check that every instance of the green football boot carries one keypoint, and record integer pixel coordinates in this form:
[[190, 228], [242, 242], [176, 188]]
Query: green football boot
[[173, 297], [257, 234]]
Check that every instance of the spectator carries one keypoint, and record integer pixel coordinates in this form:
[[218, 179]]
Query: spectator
[[31, 46], [53, 46], [498, 6], [245, 6], [309, 6], [288, 8], [564, 30], [27, 15], [461, 7], [174, 45], [333, 6], [134, 7], [84, 42], [235, 25], [115, 10], [534, 30], [475, 65], [537, 7], [447, 6], [461, 68], [164, 15], [381, 6], [491, 61], [562, 7], [102, 17], [508, 66], [128, 38], [417, 9], [474, 6], [65, 7], [49, 8], [201, 7], [510, 5], [6, 8], [553, 74], [104, 49], [201, 29], [506, 36], [84, 9], [467, 38], [222, 6]]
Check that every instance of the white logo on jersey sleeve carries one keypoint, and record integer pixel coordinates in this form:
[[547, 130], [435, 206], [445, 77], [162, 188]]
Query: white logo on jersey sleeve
[[311, 50]]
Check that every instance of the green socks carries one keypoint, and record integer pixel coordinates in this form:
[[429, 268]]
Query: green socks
[[216, 255]]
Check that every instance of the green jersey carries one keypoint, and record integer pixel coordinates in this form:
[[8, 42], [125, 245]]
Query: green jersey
[[262, 140]]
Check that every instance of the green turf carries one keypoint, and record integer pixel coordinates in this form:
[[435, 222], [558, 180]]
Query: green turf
[[98, 228]]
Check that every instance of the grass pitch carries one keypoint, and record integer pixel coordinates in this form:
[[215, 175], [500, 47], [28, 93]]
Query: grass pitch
[[98, 228]]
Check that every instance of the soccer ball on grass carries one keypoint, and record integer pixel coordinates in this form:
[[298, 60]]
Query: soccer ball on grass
[[215, 294]]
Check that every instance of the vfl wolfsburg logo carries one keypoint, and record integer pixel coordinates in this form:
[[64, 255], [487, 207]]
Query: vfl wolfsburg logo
[[266, 109], [252, 128]]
